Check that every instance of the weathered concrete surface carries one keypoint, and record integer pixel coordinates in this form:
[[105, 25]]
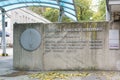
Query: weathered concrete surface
[[23, 59], [6, 73], [68, 46]]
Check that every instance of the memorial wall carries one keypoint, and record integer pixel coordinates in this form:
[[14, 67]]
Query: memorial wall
[[66, 46]]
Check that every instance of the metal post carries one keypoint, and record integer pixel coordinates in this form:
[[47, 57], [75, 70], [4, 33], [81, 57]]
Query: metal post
[[107, 15], [60, 15], [3, 34]]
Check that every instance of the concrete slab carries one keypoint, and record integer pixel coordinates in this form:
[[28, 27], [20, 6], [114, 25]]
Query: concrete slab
[[6, 65]]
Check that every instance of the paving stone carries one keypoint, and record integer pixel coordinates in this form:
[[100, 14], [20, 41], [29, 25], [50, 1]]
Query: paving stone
[[18, 78], [93, 78], [116, 77], [75, 78]]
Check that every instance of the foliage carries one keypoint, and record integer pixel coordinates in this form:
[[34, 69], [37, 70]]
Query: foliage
[[100, 14], [84, 13], [37, 10], [53, 14], [49, 13], [57, 75], [83, 10]]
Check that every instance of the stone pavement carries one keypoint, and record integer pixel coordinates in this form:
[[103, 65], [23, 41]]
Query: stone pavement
[[6, 68], [7, 72]]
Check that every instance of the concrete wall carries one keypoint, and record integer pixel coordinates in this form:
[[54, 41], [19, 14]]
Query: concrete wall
[[68, 46], [23, 59]]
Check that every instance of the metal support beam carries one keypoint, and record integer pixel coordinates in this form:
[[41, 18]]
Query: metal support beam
[[60, 14], [107, 15], [3, 33]]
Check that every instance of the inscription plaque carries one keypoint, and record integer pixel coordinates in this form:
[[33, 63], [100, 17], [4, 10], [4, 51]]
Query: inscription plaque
[[113, 39], [73, 39], [30, 39]]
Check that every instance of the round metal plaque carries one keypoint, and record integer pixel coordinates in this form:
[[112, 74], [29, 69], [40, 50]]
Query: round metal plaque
[[30, 39]]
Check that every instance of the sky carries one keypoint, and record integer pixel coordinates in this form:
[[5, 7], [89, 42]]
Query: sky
[[95, 1], [94, 5]]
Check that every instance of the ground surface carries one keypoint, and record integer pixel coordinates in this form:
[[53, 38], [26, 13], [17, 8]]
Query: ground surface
[[7, 72]]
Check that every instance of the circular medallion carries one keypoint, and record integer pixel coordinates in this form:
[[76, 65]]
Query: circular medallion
[[30, 39]]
